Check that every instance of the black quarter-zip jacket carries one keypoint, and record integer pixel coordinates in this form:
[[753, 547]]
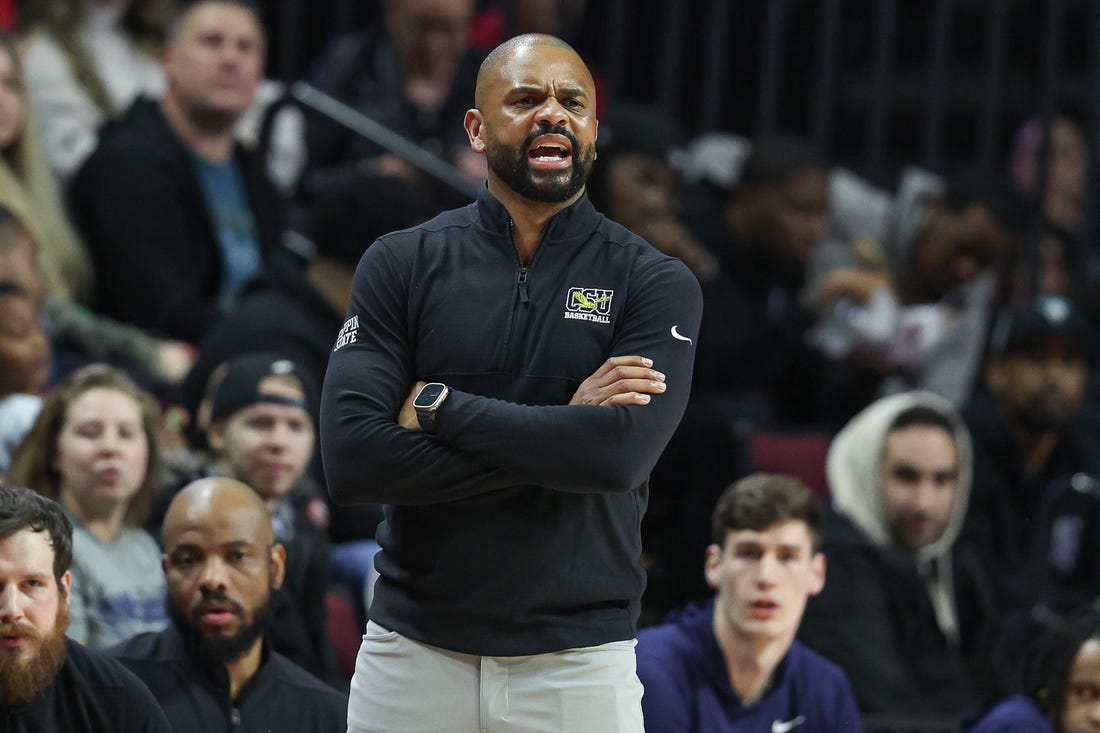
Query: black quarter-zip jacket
[[92, 693], [194, 689], [515, 529]]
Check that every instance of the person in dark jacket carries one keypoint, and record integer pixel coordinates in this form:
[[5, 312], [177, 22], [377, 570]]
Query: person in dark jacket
[[177, 216], [212, 669], [47, 681], [261, 432], [909, 612], [732, 664], [1059, 685], [1035, 512], [496, 384]]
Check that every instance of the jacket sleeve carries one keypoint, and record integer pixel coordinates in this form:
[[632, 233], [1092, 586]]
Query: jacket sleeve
[[590, 448], [368, 456], [667, 702], [483, 444], [126, 203]]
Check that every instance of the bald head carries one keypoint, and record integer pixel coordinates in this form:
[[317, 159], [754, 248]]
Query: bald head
[[211, 502], [498, 59]]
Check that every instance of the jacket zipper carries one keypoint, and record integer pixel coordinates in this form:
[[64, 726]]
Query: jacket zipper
[[523, 297]]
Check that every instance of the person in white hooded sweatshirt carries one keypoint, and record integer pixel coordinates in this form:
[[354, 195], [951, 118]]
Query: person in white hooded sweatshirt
[[907, 612]]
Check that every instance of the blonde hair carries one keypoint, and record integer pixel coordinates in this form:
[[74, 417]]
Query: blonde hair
[[28, 189], [145, 21], [33, 464]]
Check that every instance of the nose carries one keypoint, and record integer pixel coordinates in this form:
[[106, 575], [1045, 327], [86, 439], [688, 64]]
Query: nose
[[213, 576], [766, 571], [551, 112], [11, 608]]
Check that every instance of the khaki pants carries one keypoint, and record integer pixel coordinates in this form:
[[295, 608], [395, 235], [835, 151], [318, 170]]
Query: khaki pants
[[403, 686]]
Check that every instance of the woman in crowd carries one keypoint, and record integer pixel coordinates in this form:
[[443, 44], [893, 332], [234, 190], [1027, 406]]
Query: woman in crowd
[[87, 60], [94, 449], [34, 220]]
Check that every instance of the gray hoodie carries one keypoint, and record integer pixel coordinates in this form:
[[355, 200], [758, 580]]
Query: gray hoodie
[[852, 468]]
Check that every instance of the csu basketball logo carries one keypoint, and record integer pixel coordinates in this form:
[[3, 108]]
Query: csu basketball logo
[[588, 304]]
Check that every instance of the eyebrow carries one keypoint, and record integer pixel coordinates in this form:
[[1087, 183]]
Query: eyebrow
[[570, 90], [224, 545]]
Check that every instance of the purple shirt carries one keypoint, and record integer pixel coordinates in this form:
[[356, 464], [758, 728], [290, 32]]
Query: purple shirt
[[1016, 714], [687, 687]]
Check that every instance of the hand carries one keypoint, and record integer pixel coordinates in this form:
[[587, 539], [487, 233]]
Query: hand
[[406, 418], [621, 380], [852, 282], [173, 360]]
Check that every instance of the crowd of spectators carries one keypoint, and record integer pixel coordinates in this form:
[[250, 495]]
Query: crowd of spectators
[[171, 287]]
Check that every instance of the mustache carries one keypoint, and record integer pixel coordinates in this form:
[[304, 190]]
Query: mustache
[[24, 630], [217, 598], [551, 130]]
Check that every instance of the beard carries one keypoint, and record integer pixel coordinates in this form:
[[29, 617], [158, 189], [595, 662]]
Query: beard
[[24, 675], [222, 649], [514, 169]]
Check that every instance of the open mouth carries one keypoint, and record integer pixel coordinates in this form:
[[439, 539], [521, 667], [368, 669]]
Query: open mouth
[[550, 151]]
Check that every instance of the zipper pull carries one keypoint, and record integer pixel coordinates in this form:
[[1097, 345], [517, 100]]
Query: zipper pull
[[522, 282]]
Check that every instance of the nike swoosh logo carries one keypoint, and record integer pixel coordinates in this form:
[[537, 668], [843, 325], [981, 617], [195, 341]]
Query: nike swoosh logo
[[778, 726], [680, 337]]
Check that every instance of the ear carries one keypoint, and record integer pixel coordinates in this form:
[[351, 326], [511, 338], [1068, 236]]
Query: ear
[[215, 436], [278, 566], [817, 573], [66, 587], [711, 566], [164, 563], [472, 123]]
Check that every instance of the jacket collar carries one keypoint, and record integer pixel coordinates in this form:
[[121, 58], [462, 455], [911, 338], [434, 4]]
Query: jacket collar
[[573, 222]]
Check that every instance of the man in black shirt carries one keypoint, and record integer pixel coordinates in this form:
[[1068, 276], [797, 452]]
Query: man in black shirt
[[47, 682], [211, 669]]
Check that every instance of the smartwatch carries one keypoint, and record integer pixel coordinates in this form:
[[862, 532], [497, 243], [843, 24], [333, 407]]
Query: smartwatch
[[427, 401]]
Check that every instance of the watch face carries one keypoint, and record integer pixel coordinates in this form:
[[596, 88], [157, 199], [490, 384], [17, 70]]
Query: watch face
[[428, 395]]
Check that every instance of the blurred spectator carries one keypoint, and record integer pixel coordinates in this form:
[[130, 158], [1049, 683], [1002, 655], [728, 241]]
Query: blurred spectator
[[772, 223], [178, 217], [1034, 509], [1059, 684], [635, 184], [28, 189], [49, 682], [1061, 266], [78, 335], [87, 60], [753, 365], [94, 449], [904, 286], [24, 367], [213, 668], [415, 75], [908, 612], [24, 350], [261, 432], [732, 664], [1067, 176], [34, 222], [300, 314], [499, 20]]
